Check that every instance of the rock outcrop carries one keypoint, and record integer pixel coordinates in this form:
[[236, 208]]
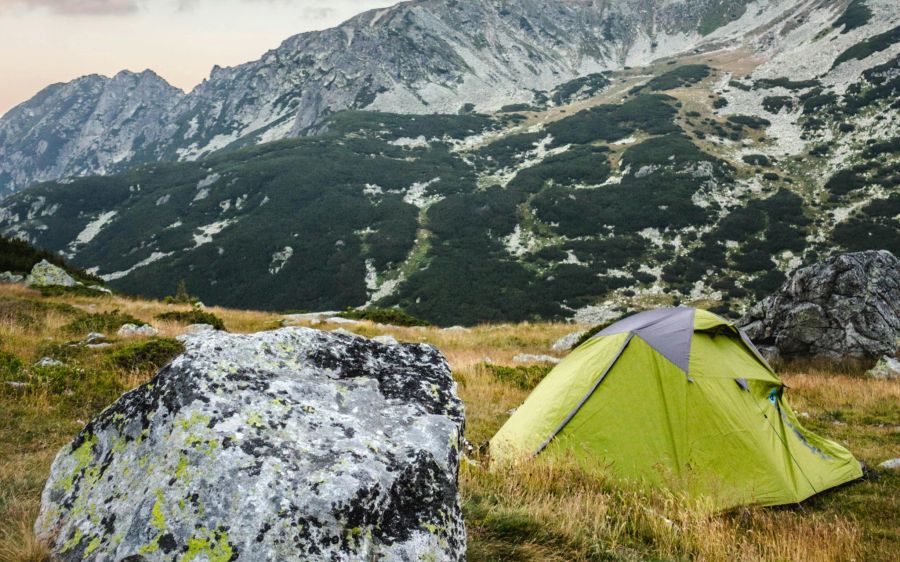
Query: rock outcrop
[[10, 277], [132, 331], [45, 274], [288, 445], [847, 306]]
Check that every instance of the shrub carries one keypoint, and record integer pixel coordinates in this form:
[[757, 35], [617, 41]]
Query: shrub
[[10, 365], [774, 104], [193, 316], [749, 121], [103, 322], [755, 159], [151, 354], [681, 76], [390, 316], [719, 103], [522, 377]]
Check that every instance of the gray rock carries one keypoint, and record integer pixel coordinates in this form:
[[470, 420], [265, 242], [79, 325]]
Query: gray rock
[[847, 306], [386, 340], [10, 277], [45, 274], [293, 445], [131, 331], [94, 338], [886, 368], [525, 358], [567, 342], [200, 328], [339, 320], [343, 332], [49, 362], [893, 464]]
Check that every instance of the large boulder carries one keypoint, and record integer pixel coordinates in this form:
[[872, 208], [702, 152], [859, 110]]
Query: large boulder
[[45, 274], [292, 445], [845, 307]]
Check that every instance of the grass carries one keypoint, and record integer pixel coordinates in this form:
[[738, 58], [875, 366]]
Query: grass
[[545, 510]]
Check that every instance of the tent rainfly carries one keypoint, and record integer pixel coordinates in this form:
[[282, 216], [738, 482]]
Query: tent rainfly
[[677, 398]]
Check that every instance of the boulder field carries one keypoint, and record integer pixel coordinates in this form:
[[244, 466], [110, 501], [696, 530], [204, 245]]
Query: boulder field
[[291, 445]]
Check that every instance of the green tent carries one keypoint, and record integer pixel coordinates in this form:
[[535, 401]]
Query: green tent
[[679, 398]]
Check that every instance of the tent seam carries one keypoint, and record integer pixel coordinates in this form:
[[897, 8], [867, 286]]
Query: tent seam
[[587, 397]]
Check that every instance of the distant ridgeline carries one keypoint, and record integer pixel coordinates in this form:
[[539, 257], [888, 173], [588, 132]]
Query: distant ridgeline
[[667, 183]]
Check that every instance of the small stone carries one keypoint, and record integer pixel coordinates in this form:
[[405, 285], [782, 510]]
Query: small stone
[[49, 362], [15, 384], [567, 342], [386, 340], [886, 368], [199, 329], [893, 464], [525, 358], [10, 277], [94, 338], [131, 331], [339, 320], [343, 332], [456, 329], [45, 274]]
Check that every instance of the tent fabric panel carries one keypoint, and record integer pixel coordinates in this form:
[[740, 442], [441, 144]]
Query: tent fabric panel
[[554, 398], [588, 396], [634, 424], [667, 330], [736, 456], [724, 355], [825, 463]]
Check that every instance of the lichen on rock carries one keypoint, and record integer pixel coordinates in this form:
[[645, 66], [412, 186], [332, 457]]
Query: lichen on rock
[[287, 445]]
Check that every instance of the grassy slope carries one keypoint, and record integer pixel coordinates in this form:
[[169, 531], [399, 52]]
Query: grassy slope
[[544, 511]]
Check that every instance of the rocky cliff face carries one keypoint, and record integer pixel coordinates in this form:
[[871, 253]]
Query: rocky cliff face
[[422, 56], [293, 445], [93, 125]]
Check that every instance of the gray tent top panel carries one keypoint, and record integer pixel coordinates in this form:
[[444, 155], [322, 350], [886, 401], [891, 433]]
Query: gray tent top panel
[[667, 330]]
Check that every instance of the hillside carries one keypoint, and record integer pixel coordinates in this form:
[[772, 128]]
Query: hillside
[[422, 56], [702, 178], [536, 512]]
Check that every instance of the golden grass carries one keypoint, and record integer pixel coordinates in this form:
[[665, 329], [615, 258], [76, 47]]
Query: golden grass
[[547, 510]]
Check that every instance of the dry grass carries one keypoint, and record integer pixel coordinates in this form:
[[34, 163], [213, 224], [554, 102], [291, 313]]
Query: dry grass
[[544, 511]]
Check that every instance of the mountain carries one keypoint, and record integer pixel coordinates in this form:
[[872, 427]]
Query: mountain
[[423, 56], [698, 177]]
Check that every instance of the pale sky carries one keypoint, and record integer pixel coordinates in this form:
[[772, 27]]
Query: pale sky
[[48, 41]]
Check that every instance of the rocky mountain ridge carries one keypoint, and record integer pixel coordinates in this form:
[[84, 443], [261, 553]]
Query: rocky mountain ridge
[[702, 178], [422, 56]]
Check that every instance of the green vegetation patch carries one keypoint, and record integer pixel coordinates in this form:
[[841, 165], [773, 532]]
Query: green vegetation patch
[[870, 46], [756, 159], [874, 227], [856, 15], [774, 104], [786, 83], [679, 77], [20, 257], [103, 322], [387, 316], [194, 316], [750, 121], [524, 377], [151, 354]]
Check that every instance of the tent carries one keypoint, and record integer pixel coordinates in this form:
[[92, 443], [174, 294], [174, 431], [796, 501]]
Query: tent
[[678, 398]]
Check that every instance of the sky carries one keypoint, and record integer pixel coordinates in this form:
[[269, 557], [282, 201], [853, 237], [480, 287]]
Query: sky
[[47, 41]]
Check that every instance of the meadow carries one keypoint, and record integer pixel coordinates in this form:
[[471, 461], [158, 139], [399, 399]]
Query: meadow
[[544, 511]]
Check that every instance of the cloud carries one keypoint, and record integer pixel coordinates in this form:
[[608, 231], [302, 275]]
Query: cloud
[[77, 7]]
